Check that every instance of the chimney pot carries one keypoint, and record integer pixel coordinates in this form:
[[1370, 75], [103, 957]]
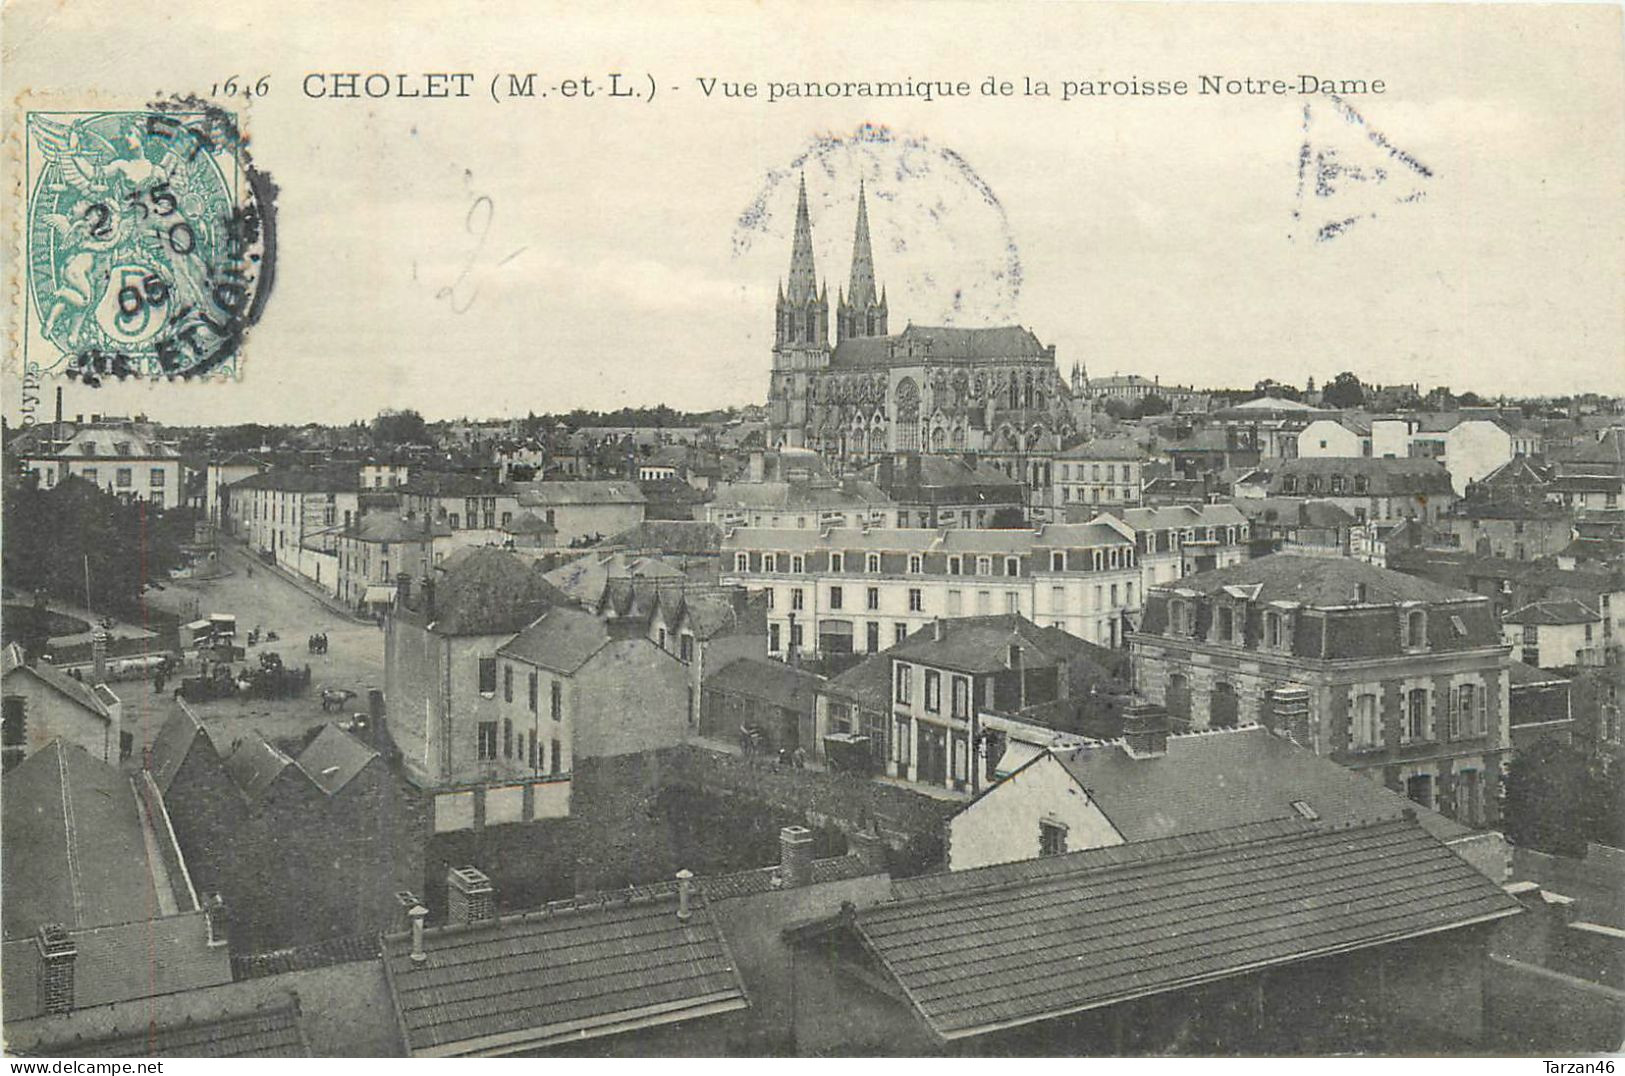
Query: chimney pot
[[939, 629], [417, 914], [796, 855], [685, 893], [57, 956], [98, 657]]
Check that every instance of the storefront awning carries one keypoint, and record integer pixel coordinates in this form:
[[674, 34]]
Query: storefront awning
[[1016, 755], [379, 593]]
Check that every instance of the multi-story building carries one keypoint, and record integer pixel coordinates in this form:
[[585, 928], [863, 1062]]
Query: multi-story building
[[1469, 446], [1509, 529], [1593, 477], [384, 474], [280, 512], [219, 474], [1104, 472], [1180, 540], [1368, 489], [584, 510], [1555, 633], [127, 459], [380, 546], [462, 502], [947, 491], [1394, 676], [43, 704], [809, 504], [851, 591]]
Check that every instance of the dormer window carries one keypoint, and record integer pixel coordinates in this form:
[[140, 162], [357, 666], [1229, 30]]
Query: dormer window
[[1272, 630], [798, 564], [1415, 633], [837, 562], [984, 565], [1057, 561], [915, 564], [1225, 623], [770, 562], [741, 562], [1178, 617], [956, 566], [1012, 565], [872, 564]]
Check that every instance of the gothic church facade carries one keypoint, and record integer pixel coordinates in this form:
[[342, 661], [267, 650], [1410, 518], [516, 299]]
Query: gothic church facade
[[994, 392]]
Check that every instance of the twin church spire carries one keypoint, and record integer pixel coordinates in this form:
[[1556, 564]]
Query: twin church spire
[[803, 309]]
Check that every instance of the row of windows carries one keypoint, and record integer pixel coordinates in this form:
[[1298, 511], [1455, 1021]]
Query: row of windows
[[959, 690], [1464, 716], [124, 477], [1098, 494], [488, 687], [1114, 557], [1228, 624], [1104, 597], [1335, 484], [539, 757], [1113, 473]]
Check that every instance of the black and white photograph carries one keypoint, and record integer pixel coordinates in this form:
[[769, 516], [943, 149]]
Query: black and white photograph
[[759, 530]]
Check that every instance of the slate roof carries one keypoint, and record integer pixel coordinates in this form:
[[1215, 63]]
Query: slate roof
[[673, 536], [1319, 581], [584, 578], [75, 691], [937, 344], [1104, 448], [254, 764], [1221, 779], [1385, 477], [1013, 944], [529, 523], [1522, 675], [919, 540], [299, 481], [389, 527], [557, 494], [174, 743], [491, 592], [453, 484], [75, 844], [715, 612], [981, 644], [1179, 516], [801, 495], [1553, 612], [561, 639], [769, 681], [573, 971], [868, 683], [333, 759], [274, 1031]]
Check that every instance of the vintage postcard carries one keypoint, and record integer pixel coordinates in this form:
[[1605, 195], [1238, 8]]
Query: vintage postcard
[[766, 530]]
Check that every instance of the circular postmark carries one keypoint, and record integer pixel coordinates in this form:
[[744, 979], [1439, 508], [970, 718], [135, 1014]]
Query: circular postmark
[[150, 241], [942, 233]]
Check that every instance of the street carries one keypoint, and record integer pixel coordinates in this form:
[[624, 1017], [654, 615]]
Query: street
[[271, 602]]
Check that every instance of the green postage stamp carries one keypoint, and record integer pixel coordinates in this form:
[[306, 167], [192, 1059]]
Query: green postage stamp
[[149, 243]]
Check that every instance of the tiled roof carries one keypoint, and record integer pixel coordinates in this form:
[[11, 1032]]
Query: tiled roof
[[938, 344], [390, 527], [254, 763], [715, 612], [491, 592], [799, 495], [770, 681], [334, 758], [1009, 945], [453, 484], [174, 742], [1522, 675], [585, 577], [567, 973], [1385, 477], [273, 1031], [529, 523], [561, 640], [1220, 779], [1553, 612], [76, 844], [917, 540], [299, 481], [1178, 516], [1319, 581]]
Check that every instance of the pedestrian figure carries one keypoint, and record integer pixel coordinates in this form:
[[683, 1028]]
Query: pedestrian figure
[[799, 757]]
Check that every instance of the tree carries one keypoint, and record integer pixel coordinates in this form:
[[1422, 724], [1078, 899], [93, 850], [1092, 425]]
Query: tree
[[1344, 391], [392, 428], [1150, 404], [1549, 801]]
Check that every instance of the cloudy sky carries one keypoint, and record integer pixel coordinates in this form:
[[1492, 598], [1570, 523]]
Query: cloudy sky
[[469, 257]]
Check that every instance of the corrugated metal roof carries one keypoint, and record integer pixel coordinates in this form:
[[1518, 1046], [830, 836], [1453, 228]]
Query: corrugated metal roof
[[985, 953]]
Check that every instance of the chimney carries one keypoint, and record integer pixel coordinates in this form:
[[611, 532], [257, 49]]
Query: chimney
[[417, 914], [98, 657], [870, 850], [428, 598], [795, 855], [219, 921], [57, 954], [1145, 731], [403, 590], [685, 893], [939, 629], [1289, 713], [470, 898]]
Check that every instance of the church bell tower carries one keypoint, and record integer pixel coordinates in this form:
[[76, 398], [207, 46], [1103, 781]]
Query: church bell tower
[[800, 337], [860, 311]]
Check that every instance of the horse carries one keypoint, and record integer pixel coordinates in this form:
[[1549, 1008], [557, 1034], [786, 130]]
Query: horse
[[335, 698]]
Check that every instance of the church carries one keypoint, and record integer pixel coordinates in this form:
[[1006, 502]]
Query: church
[[992, 392]]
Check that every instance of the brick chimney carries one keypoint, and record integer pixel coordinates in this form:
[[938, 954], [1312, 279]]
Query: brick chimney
[[98, 657], [57, 953], [470, 897], [1289, 713], [796, 855], [219, 921], [1145, 731]]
